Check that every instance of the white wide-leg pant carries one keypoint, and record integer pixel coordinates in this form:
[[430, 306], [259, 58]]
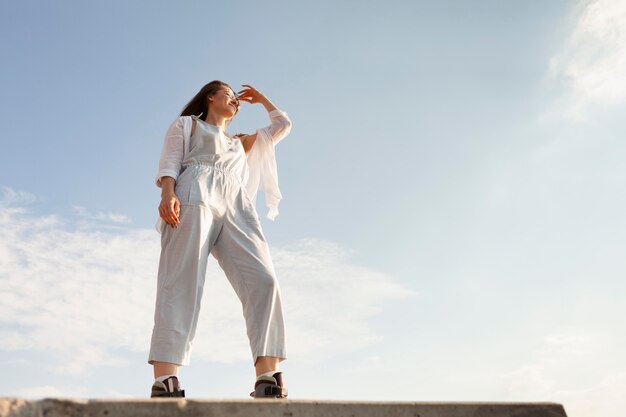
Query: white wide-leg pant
[[235, 239]]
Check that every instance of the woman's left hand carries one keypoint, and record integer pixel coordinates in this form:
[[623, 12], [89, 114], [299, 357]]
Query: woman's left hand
[[246, 140], [251, 95]]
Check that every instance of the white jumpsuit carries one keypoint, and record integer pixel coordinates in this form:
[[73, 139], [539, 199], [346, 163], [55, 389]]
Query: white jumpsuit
[[216, 217]]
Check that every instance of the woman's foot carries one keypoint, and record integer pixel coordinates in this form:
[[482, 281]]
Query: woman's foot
[[269, 387], [169, 387]]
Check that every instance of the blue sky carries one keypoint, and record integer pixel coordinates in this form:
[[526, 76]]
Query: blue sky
[[452, 195]]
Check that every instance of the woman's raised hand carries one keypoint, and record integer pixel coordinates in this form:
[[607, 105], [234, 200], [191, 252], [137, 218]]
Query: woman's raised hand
[[251, 95]]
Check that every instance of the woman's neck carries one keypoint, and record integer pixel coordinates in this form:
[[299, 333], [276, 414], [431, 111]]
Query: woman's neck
[[216, 120]]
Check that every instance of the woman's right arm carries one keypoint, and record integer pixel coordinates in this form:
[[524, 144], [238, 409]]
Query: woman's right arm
[[170, 164], [171, 159]]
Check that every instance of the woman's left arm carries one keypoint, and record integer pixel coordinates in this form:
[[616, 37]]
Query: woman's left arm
[[280, 124]]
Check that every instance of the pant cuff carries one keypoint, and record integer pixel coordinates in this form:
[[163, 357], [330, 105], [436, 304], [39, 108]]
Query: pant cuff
[[279, 353], [170, 358]]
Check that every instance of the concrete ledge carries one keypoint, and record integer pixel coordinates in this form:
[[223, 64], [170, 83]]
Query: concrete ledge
[[61, 407]]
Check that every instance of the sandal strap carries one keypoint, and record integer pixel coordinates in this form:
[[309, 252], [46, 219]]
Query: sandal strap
[[273, 391], [179, 393]]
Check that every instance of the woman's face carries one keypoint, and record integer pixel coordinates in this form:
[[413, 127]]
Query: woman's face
[[225, 102]]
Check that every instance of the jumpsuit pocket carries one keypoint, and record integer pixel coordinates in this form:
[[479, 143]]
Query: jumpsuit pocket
[[182, 192], [181, 189], [194, 186]]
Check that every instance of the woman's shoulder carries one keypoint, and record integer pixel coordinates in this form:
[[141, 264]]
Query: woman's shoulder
[[186, 118], [179, 120], [183, 121], [180, 125], [182, 118], [190, 120]]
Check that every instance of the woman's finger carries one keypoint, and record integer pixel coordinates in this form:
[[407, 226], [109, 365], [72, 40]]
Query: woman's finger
[[170, 216], [249, 90], [177, 210], [164, 215], [252, 89], [173, 212]]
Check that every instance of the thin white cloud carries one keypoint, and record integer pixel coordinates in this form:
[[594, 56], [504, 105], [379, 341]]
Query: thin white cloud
[[101, 216], [562, 345], [49, 391], [84, 296], [529, 381], [11, 197], [592, 65], [567, 368], [605, 399]]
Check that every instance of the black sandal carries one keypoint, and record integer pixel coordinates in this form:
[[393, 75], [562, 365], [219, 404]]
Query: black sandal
[[270, 387], [168, 388]]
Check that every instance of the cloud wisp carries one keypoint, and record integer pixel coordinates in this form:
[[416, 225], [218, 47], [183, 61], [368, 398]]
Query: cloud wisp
[[85, 295], [101, 216], [568, 368], [592, 65]]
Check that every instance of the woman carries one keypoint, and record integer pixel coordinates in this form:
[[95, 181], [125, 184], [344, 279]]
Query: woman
[[209, 182]]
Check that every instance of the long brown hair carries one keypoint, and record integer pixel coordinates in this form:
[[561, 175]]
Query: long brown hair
[[198, 105]]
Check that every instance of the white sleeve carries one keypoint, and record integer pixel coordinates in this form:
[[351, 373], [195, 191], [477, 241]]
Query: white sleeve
[[280, 125], [172, 154]]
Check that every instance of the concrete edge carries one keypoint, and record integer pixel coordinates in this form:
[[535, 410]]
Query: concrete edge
[[122, 407]]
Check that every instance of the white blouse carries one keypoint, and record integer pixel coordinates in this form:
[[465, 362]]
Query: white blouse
[[262, 171]]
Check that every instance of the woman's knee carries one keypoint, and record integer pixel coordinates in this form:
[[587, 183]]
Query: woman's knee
[[267, 281]]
